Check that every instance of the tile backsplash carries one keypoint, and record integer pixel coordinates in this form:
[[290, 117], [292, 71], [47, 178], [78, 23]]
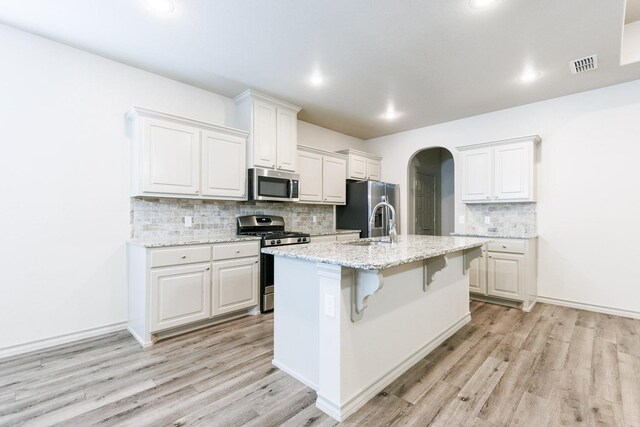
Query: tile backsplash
[[506, 218], [157, 218]]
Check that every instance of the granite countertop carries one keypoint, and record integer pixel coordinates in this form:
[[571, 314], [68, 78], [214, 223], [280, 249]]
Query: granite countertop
[[499, 235], [330, 232], [410, 248], [190, 240]]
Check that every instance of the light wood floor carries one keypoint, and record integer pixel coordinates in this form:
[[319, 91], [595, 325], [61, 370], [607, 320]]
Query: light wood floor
[[554, 366]]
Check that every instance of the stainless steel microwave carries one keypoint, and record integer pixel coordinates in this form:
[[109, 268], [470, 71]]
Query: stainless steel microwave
[[271, 185]]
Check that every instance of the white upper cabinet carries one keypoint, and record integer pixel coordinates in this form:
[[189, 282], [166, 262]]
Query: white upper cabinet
[[273, 128], [179, 157], [264, 134], [334, 180], [501, 171], [223, 165], [171, 157], [361, 165], [323, 176], [476, 168], [310, 163]]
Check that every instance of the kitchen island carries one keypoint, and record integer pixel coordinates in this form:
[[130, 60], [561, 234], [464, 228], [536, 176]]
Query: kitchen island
[[350, 317]]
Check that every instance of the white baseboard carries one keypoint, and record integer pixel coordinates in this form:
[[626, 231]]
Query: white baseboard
[[590, 307], [300, 378], [357, 401], [15, 350]]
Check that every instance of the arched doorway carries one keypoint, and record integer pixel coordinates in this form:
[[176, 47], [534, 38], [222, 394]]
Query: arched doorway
[[431, 192]]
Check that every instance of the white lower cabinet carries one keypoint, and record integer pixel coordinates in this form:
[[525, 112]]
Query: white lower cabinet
[[234, 285], [506, 271], [177, 288], [506, 275], [179, 295]]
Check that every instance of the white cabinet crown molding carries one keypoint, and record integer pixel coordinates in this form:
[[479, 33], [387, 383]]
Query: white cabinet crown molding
[[137, 111], [360, 153], [255, 94], [529, 138], [322, 152]]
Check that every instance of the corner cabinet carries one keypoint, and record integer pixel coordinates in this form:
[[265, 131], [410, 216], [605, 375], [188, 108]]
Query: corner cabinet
[[501, 171], [506, 273], [178, 157], [273, 130], [363, 166], [174, 289], [323, 176]]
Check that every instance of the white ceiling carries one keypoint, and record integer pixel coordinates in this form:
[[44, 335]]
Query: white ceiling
[[632, 11], [434, 60]]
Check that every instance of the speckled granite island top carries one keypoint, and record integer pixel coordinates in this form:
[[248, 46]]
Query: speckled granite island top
[[410, 248], [190, 240], [514, 235]]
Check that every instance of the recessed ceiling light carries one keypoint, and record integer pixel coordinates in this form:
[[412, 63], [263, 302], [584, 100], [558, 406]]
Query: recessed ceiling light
[[390, 115], [161, 6], [529, 76], [316, 79], [479, 4]]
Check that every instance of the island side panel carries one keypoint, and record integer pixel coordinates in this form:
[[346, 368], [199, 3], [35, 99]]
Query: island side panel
[[401, 325], [296, 319]]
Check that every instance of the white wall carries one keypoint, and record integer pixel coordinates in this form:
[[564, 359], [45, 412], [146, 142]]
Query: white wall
[[589, 202], [64, 180], [319, 137], [630, 51]]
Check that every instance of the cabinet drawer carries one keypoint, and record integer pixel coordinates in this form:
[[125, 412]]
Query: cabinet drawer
[[513, 246], [236, 250], [345, 237], [323, 238], [181, 255]]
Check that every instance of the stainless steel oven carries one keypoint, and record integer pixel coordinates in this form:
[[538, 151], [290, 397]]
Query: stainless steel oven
[[271, 185]]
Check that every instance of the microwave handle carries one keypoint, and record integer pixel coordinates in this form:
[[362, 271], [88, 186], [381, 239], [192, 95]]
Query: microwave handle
[[291, 189]]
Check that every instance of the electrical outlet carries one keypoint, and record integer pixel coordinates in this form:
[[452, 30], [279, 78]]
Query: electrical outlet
[[314, 219], [461, 219], [329, 305], [487, 220], [188, 221]]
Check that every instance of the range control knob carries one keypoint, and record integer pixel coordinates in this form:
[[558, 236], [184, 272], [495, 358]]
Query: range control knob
[[273, 242], [304, 239], [279, 241], [299, 239]]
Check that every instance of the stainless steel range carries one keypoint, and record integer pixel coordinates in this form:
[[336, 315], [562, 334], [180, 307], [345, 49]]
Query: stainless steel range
[[272, 230]]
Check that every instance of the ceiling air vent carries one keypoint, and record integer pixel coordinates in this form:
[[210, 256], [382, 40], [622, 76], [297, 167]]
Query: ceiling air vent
[[584, 64]]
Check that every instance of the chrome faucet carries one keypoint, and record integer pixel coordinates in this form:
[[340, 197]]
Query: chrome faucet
[[393, 234]]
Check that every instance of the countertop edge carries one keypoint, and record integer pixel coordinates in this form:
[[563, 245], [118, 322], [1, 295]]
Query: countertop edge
[[496, 236]]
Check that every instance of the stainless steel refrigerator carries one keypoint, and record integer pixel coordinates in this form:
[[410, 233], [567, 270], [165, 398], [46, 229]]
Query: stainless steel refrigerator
[[362, 197]]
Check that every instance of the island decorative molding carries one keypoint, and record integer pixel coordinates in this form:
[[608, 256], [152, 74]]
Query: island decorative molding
[[431, 267], [470, 255], [367, 283]]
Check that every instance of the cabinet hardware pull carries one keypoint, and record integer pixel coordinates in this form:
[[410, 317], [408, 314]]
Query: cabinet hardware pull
[[208, 268], [184, 256], [504, 246], [238, 251]]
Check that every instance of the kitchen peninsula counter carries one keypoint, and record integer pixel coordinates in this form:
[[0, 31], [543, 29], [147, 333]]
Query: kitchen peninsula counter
[[350, 317]]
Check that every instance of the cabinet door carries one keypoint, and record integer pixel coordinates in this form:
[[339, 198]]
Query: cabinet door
[[357, 167], [179, 295], [373, 169], [476, 175], [310, 174], [334, 176], [223, 166], [478, 275], [512, 172], [287, 140], [506, 275], [264, 135], [235, 285], [172, 158]]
